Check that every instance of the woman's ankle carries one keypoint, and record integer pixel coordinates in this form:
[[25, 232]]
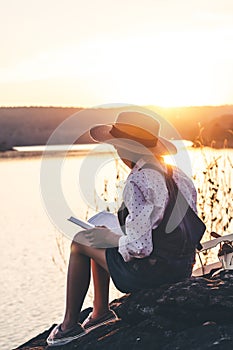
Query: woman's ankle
[[68, 323], [99, 312]]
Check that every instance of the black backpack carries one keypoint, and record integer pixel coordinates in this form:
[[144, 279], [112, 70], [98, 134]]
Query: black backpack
[[181, 230]]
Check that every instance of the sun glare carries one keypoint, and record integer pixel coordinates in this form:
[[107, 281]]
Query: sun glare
[[173, 69], [176, 69]]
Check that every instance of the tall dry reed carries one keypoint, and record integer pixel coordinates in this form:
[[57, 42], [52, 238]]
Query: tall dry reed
[[214, 181]]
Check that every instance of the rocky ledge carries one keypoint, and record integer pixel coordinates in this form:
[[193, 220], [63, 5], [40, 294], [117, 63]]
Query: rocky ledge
[[194, 314]]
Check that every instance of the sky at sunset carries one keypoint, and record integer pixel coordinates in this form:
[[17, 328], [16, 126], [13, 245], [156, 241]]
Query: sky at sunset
[[88, 53]]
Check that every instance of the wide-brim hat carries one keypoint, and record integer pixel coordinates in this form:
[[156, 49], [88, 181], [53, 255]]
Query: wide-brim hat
[[135, 132]]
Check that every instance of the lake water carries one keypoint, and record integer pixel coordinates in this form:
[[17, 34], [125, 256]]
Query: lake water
[[32, 280]]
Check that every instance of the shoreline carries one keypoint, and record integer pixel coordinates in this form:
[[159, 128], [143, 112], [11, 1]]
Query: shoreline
[[14, 154]]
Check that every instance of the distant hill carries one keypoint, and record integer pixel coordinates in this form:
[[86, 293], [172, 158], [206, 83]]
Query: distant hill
[[26, 126], [219, 130], [210, 125]]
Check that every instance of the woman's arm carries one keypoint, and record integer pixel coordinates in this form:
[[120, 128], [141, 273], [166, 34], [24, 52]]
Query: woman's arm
[[98, 237], [145, 197]]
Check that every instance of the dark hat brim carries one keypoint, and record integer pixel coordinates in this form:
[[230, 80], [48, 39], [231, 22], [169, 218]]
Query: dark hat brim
[[101, 133]]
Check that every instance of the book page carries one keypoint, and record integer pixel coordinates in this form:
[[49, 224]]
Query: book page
[[104, 218]]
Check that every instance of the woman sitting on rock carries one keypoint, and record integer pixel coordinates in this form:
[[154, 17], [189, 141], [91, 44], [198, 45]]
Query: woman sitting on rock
[[159, 221]]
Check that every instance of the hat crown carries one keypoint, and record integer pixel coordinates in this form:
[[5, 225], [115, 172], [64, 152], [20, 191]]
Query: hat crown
[[139, 120]]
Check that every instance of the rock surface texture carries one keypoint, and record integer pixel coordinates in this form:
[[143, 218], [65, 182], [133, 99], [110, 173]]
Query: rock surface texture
[[194, 314]]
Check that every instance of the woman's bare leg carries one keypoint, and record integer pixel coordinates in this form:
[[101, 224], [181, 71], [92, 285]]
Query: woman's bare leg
[[78, 279], [101, 289]]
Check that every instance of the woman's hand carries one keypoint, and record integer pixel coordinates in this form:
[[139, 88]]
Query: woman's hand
[[98, 237]]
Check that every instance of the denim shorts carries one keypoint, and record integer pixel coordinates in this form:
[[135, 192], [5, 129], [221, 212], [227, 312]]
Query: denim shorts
[[147, 273]]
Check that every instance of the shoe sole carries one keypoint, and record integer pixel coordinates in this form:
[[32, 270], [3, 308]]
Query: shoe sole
[[64, 341], [91, 328]]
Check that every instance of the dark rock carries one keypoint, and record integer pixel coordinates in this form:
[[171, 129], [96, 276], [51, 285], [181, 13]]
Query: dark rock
[[193, 314]]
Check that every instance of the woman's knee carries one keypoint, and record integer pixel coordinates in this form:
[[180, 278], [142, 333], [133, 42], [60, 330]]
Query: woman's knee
[[76, 247]]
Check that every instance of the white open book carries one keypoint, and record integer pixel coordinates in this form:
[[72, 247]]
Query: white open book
[[81, 223], [104, 218]]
